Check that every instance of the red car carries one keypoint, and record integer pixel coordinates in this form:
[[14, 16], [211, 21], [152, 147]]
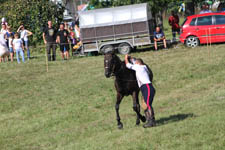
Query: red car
[[203, 28]]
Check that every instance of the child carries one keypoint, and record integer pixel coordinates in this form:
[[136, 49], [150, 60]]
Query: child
[[18, 47], [147, 89], [11, 47]]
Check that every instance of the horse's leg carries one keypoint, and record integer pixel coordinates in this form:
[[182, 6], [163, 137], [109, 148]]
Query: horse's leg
[[117, 106], [136, 108]]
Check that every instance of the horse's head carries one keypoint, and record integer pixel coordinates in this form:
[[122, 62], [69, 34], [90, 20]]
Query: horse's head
[[110, 62]]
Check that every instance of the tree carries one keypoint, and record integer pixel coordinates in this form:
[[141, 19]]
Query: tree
[[157, 6], [33, 14]]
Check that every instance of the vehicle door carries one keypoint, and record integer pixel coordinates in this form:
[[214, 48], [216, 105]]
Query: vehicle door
[[219, 33], [203, 28]]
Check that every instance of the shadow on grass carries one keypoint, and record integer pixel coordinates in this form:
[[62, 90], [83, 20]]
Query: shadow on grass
[[173, 118]]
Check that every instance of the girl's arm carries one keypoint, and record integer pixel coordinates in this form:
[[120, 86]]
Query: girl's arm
[[58, 39], [18, 30], [13, 47], [126, 59], [29, 33]]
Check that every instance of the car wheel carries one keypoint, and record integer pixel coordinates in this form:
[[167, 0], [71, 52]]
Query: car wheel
[[124, 48], [192, 41]]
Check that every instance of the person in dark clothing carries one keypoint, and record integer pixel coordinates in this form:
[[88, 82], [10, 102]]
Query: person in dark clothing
[[63, 40], [49, 37], [174, 23]]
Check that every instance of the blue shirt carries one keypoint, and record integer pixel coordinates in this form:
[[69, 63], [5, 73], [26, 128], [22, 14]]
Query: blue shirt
[[158, 35]]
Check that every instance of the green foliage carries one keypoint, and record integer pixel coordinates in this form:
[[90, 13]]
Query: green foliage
[[156, 5], [32, 13]]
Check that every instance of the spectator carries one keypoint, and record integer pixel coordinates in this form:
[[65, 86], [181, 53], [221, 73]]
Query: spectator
[[18, 47], [73, 39], [4, 21], [10, 45], [205, 8], [174, 23], [49, 37], [66, 26], [4, 53], [4, 50], [24, 37], [77, 31], [63, 40], [8, 33], [221, 7], [159, 37], [4, 28]]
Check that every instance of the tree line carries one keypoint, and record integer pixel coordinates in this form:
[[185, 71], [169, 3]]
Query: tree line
[[34, 14]]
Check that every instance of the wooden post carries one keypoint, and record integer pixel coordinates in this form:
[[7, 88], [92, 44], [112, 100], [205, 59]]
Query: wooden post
[[46, 54]]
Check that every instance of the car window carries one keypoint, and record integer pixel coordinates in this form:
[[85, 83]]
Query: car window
[[206, 20], [220, 19], [193, 22]]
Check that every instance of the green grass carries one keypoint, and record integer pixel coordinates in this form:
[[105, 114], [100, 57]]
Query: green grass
[[72, 106]]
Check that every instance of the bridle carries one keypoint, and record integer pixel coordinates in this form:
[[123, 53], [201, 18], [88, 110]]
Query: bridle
[[112, 66]]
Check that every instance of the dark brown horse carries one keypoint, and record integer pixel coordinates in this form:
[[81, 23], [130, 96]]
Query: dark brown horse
[[125, 84]]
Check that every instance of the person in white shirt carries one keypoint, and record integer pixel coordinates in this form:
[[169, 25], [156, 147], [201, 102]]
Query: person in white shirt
[[24, 36], [146, 87], [4, 28], [18, 47], [4, 53]]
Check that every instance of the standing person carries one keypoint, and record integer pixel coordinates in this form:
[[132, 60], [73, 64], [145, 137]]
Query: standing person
[[205, 8], [4, 28], [49, 37], [18, 47], [63, 40], [3, 41], [159, 36], [24, 36], [174, 23], [4, 53], [73, 40], [9, 38], [77, 31], [147, 89], [10, 45]]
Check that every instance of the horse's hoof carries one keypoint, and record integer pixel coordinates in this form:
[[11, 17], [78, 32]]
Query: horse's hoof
[[143, 119], [120, 126]]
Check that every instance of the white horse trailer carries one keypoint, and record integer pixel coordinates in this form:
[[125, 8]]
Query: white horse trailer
[[121, 28]]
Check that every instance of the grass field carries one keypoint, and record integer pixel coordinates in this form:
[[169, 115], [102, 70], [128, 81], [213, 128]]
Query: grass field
[[72, 106]]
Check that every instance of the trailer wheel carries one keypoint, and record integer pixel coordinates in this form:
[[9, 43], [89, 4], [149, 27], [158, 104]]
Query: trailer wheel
[[107, 48], [124, 48]]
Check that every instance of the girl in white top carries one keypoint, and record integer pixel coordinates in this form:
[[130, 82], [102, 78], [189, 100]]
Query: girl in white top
[[24, 36], [147, 89]]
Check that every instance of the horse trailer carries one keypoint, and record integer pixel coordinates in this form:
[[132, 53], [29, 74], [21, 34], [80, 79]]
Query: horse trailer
[[122, 28]]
